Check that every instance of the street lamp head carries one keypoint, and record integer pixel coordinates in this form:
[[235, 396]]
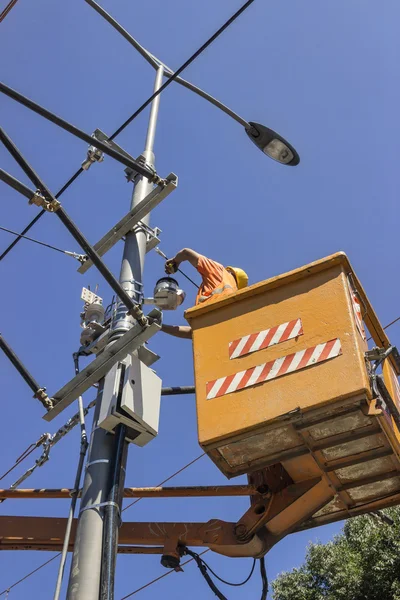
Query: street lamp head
[[272, 144]]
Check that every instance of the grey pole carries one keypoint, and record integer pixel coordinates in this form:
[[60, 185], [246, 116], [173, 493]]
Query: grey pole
[[84, 582]]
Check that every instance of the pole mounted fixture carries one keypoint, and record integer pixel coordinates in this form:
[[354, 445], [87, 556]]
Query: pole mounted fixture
[[273, 145]]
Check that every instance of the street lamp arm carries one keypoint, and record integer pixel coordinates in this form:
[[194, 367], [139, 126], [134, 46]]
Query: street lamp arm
[[211, 99], [156, 63]]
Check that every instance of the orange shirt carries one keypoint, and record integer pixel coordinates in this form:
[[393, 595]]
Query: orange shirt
[[217, 281]]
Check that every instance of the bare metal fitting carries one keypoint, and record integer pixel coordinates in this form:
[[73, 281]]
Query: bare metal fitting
[[93, 155], [44, 399], [39, 200]]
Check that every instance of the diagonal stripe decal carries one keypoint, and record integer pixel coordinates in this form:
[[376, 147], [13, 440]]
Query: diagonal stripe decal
[[273, 369], [264, 339]]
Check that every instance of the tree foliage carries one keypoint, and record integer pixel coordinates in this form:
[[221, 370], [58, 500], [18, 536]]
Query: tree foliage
[[362, 563]]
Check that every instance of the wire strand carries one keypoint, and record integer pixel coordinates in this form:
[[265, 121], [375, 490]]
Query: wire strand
[[386, 327], [168, 479], [25, 237], [10, 587], [143, 587]]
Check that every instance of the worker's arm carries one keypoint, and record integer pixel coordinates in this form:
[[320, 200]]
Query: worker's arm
[[188, 254], [179, 331]]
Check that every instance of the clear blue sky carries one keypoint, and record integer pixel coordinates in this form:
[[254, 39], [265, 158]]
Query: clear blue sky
[[325, 75]]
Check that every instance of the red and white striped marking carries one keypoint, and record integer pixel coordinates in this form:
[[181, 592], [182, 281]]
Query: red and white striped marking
[[269, 337], [357, 311], [274, 368]]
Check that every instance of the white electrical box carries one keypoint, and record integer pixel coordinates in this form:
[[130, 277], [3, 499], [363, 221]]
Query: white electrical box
[[132, 396]]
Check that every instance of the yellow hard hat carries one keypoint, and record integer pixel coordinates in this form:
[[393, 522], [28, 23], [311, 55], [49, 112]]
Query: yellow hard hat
[[241, 276]]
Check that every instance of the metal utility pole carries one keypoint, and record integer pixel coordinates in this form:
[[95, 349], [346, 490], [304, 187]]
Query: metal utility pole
[[93, 562]]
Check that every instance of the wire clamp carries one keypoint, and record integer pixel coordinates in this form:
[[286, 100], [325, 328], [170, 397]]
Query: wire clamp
[[41, 395], [93, 155], [39, 200], [156, 179]]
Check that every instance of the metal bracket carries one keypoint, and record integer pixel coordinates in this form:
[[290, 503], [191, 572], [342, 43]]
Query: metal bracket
[[152, 239], [39, 200], [130, 341], [93, 155], [102, 137], [379, 354], [44, 399], [132, 218], [132, 173]]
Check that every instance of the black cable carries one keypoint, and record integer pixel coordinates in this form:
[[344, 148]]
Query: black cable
[[204, 567], [229, 582], [183, 67], [134, 115], [25, 237], [203, 571], [264, 578]]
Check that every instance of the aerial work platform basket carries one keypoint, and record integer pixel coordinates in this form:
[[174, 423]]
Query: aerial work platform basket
[[283, 379]]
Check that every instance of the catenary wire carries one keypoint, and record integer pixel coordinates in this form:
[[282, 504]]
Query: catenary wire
[[143, 587], [10, 587], [387, 326], [19, 460], [25, 237], [168, 478], [7, 9], [136, 113]]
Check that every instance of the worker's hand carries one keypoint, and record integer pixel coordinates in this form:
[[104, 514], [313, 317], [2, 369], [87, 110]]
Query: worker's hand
[[171, 266]]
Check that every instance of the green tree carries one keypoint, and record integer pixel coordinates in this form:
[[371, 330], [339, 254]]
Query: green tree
[[362, 563]]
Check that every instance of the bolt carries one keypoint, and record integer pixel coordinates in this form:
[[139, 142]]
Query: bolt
[[240, 530]]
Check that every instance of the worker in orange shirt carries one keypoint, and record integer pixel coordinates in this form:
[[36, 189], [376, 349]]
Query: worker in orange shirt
[[217, 282]]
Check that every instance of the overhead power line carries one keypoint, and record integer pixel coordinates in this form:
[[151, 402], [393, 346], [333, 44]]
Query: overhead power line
[[143, 587], [7, 9], [136, 113], [67, 252]]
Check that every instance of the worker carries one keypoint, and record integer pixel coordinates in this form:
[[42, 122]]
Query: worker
[[217, 282]]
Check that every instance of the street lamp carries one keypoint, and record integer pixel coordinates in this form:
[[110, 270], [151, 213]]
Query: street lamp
[[272, 144]]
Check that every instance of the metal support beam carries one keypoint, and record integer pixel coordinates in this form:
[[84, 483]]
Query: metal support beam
[[29, 533], [16, 184], [131, 164], [198, 491], [132, 218], [39, 392], [91, 374], [178, 391]]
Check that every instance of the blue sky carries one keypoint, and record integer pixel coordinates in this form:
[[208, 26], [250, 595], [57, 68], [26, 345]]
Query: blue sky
[[324, 75]]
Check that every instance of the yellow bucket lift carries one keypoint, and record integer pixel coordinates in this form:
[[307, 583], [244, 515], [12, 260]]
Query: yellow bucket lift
[[288, 392]]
